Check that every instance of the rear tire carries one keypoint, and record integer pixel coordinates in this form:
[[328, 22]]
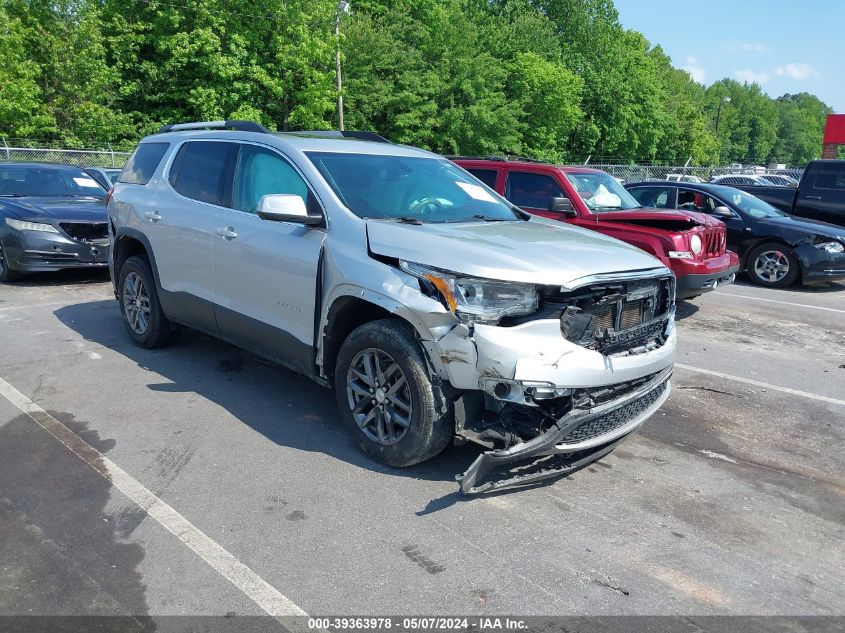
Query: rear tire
[[6, 273], [773, 265], [385, 395], [139, 305]]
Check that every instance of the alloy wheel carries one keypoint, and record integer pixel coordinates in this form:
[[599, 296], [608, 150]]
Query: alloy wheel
[[136, 303], [379, 396], [771, 266], [2, 260]]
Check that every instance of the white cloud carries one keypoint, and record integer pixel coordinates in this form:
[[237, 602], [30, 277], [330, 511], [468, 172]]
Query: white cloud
[[753, 47], [751, 77], [796, 71], [693, 67]]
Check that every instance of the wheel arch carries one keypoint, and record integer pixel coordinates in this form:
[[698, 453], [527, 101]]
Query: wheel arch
[[127, 243], [749, 248]]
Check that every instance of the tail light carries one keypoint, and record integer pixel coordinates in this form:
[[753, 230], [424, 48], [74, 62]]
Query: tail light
[[108, 195]]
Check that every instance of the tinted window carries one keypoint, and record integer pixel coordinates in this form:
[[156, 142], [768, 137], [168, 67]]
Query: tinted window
[[532, 190], [487, 176], [690, 200], [142, 164], [200, 170], [261, 172], [828, 177], [652, 196]]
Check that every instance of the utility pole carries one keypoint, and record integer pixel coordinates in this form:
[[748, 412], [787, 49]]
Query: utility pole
[[719, 111], [342, 8]]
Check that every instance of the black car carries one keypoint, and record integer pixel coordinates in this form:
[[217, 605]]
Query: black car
[[51, 217], [774, 248]]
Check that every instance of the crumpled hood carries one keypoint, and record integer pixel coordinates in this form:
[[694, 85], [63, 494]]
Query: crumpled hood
[[536, 251], [807, 225], [660, 218], [57, 209]]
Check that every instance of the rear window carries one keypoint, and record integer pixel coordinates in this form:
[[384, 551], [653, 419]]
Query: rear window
[[202, 170], [143, 163]]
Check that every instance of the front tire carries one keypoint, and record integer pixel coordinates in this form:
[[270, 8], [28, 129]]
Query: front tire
[[6, 273], [773, 265], [139, 305], [385, 394]]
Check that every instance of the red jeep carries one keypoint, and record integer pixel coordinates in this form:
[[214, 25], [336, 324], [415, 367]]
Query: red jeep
[[691, 244]]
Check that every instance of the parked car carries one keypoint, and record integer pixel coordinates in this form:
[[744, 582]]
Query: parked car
[[742, 179], [691, 244], [52, 217], [435, 308], [775, 249], [683, 178], [820, 194], [779, 180], [106, 176]]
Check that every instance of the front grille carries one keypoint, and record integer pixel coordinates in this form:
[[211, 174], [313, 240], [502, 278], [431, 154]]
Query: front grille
[[86, 231], [609, 422], [714, 241]]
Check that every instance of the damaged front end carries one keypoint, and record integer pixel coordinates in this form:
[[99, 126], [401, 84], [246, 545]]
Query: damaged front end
[[550, 392]]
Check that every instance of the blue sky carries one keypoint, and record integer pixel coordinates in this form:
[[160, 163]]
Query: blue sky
[[784, 45]]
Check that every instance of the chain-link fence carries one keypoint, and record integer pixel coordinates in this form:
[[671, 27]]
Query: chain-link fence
[[80, 157], [628, 173], [688, 173]]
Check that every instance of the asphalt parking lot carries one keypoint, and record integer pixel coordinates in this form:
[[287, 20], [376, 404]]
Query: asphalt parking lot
[[223, 472]]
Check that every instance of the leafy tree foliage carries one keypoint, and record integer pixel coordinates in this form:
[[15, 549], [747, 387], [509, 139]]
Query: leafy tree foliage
[[552, 79]]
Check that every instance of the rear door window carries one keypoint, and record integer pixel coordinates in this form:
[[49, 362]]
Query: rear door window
[[830, 177], [532, 190], [487, 176], [656, 197], [143, 163], [202, 171]]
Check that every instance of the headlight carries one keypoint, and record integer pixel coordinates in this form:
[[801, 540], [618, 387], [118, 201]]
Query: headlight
[[695, 244], [21, 225], [831, 247], [477, 300]]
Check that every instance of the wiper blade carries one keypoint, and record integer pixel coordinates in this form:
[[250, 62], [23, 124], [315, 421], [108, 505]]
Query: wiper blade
[[12, 195], [486, 218], [401, 220]]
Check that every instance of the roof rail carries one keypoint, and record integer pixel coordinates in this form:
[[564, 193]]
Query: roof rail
[[229, 124], [501, 159], [356, 134]]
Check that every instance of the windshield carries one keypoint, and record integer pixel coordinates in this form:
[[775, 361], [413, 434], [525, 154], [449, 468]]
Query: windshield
[[602, 192], [749, 204], [46, 181], [412, 189]]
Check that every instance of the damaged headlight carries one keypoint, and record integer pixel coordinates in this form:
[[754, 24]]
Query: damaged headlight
[[476, 300], [831, 247]]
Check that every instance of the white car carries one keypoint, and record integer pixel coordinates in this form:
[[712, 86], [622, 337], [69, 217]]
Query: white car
[[742, 179], [684, 178]]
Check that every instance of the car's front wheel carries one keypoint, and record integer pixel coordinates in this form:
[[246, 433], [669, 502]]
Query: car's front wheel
[[139, 305], [6, 273], [385, 394], [773, 265]]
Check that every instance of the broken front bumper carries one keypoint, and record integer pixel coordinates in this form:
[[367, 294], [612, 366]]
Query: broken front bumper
[[576, 439]]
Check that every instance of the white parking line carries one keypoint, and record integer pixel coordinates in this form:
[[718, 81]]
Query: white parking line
[[786, 303], [764, 385], [251, 584]]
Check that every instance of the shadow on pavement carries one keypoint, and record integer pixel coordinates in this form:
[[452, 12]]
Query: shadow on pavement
[[61, 553], [285, 407], [70, 277], [820, 289]]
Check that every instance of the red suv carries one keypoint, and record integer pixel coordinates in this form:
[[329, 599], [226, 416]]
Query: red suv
[[691, 244]]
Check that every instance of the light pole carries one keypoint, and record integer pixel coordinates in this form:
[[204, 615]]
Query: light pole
[[342, 8], [719, 111]]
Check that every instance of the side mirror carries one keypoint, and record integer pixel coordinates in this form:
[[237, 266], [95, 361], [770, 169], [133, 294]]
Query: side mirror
[[723, 212], [284, 207], [562, 206]]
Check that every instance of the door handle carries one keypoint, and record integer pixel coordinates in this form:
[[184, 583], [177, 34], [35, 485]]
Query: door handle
[[152, 216], [813, 197], [226, 232]]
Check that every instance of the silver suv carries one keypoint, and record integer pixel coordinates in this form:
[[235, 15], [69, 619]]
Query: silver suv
[[436, 309]]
